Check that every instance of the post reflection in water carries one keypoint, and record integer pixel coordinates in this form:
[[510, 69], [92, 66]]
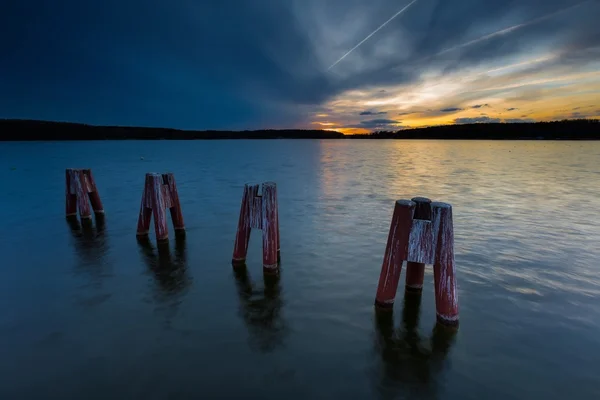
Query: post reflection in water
[[410, 363], [261, 310], [169, 272], [91, 245]]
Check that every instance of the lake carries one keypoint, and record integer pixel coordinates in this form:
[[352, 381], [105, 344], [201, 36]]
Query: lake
[[93, 314]]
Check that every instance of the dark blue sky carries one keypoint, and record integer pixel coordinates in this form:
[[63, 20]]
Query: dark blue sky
[[236, 64]]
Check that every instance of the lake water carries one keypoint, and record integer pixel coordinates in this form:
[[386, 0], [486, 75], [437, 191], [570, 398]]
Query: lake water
[[95, 315]]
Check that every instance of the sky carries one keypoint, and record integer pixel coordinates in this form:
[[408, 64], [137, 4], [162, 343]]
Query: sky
[[348, 65]]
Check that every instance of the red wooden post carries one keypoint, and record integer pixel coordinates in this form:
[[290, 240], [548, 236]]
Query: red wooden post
[[415, 271], [159, 206], [78, 185], [160, 193], [395, 253], [93, 192], [259, 212], [242, 237], [269, 227], [176, 214], [277, 227], [143, 227], [71, 203], [446, 300]]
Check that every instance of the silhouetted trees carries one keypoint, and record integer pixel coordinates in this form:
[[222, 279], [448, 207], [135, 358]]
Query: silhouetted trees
[[581, 129], [12, 129]]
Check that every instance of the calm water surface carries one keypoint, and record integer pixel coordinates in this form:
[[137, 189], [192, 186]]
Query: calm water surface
[[93, 314]]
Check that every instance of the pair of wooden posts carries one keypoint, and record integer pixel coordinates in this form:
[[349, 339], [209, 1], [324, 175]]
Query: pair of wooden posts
[[259, 211], [81, 186], [160, 193]]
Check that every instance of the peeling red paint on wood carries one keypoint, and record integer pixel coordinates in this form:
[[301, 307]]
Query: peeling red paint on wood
[[174, 204], [277, 228], [160, 193], [396, 252], [446, 300], [93, 192], [269, 226], [71, 206], [421, 233], [420, 248], [79, 187], [145, 215], [258, 212]]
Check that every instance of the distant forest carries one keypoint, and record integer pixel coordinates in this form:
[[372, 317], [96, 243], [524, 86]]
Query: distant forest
[[29, 130]]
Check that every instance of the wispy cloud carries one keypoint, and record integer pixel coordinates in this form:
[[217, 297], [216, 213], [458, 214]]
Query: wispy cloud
[[373, 33], [477, 120], [373, 113]]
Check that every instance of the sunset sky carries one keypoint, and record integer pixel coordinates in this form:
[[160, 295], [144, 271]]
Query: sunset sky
[[347, 65]]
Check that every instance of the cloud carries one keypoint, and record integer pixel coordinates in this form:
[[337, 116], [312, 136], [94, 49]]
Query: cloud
[[237, 65], [373, 113], [450, 109], [379, 124], [476, 120], [518, 120], [480, 105], [511, 109]]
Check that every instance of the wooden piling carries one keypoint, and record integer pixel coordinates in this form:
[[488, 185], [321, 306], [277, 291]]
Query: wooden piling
[[258, 211], [80, 191], [420, 241], [92, 190], [176, 214], [446, 300], [415, 271], [160, 193], [396, 252], [269, 227]]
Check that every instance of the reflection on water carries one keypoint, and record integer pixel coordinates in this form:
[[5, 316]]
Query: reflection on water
[[526, 230], [410, 362], [91, 246], [169, 272], [261, 310], [90, 240]]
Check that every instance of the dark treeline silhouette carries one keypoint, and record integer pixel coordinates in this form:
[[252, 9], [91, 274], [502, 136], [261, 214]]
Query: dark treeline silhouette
[[14, 129], [580, 129]]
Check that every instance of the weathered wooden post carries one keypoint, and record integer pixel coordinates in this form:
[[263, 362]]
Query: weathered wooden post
[[424, 242], [160, 193], [396, 251], [415, 272], [80, 185], [446, 298], [258, 211]]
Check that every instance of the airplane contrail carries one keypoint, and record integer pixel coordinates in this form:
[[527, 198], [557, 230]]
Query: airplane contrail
[[509, 29], [372, 33]]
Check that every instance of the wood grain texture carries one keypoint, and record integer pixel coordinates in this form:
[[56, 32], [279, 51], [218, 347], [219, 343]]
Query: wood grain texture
[[174, 203], [269, 226], [421, 253], [159, 212], [242, 237], [395, 253], [92, 191], [145, 215], [446, 299], [71, 197]]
